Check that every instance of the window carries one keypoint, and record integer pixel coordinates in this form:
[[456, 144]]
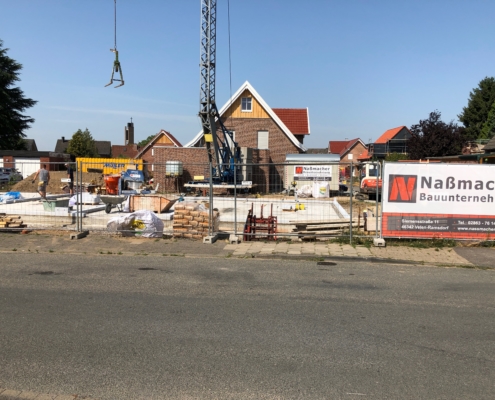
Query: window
[[152, 152], [246, 105], [263, 140], [152, 167]]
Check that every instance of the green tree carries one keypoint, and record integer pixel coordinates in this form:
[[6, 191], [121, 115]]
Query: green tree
[[488, 130], [144, 142], [434, 138], [476, 113], [12, 104], [82, 144]]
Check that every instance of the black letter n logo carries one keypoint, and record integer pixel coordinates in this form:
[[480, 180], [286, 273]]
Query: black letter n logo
[[402, 188]]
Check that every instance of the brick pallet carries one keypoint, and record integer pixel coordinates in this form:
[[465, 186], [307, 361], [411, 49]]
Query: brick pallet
[[192, 223]]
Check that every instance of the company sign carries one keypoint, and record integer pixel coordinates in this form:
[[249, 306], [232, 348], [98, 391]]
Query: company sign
[[312, 173], [438, 200]]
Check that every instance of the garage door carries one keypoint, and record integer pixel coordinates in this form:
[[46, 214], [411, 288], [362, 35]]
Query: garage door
[[27, 166]]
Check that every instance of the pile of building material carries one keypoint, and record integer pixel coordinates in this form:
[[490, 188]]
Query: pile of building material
[[193, 221], [310, 230], [11, 221]]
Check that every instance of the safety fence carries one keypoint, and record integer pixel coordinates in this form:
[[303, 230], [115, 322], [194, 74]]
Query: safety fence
[[307, 201]]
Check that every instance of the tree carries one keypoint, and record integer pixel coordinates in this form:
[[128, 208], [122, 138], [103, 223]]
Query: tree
[[434, 138], [82, 144], [488, 130], [144, 142], [396, 157], [476, 113], [12, 104]]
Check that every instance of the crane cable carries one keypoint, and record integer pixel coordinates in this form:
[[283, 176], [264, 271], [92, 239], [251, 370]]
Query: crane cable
[[230, 57], [115, 23], [116, 64]]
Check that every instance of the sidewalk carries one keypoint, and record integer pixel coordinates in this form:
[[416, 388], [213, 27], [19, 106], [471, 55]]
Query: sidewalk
[[103, 244]]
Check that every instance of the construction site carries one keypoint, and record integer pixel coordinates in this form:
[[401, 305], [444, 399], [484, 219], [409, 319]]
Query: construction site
[[118, 206]]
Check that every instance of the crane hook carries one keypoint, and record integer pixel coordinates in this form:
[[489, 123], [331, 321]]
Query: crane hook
[[116, 68]]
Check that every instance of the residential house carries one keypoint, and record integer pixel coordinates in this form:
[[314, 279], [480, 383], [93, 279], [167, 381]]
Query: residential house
[[392, 141], [27, 162], [103, 147], [162, 140], [349, 151], [266, 134]]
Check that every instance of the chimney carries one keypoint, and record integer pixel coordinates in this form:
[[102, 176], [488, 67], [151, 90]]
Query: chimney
[[63, 139], [129, 133]]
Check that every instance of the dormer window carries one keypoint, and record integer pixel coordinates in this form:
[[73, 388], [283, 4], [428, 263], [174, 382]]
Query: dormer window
[[246, 104]]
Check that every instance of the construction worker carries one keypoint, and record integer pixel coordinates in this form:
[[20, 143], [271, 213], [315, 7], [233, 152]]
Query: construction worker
[[44, 176]]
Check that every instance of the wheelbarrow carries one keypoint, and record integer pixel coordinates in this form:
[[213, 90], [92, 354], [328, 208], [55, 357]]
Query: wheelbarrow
[[110, 201]]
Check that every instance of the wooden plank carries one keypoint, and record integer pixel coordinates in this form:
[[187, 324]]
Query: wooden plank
[[329, 221], [325, 227]]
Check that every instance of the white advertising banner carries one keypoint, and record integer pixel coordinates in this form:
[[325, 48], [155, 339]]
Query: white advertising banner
[[446, 200], [312, 172]]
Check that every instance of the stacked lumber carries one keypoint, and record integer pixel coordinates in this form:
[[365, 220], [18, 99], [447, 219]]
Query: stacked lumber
[[313, 230], [11, 221], [193, 222]]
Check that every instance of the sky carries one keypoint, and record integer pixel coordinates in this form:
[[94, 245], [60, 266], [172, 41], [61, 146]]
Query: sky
[[360, 66]]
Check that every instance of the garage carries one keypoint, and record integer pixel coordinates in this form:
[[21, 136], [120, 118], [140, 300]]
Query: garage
[[26, 166]]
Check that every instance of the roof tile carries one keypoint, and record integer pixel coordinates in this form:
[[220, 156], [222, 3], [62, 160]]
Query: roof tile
[[296, 119]]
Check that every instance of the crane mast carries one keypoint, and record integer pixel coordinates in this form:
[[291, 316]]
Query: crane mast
[[223, 152]]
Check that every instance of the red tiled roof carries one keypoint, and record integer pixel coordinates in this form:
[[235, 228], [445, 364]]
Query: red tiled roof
[[388, 135], [336, 146], [364, 156], [296, 119], [173, 139]]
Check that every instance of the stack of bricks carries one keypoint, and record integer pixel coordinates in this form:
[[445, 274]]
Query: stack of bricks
[[190, 222]]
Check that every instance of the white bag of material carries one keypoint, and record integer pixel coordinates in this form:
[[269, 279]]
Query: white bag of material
[[142, 222], [123, 224], [304, 191], [153, 226], [321, 189]]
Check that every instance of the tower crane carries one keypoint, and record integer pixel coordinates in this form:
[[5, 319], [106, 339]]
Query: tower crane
[[223, 152]]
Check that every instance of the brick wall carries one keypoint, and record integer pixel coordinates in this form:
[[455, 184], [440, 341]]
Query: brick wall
[[270, 177], [267, 170], [8, 161], [194, 162], [356, 151]]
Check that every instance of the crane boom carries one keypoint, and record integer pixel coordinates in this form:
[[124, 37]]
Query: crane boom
[[223, 152]]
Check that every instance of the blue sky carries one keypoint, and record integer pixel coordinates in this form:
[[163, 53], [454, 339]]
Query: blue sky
[[361, 67]]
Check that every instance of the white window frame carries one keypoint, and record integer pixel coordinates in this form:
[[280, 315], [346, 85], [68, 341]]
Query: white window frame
[[245, 103], [152, 151], [152, 167], [263, 140]]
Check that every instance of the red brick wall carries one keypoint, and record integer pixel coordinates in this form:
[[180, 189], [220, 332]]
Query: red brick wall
[[53, 167], [194, 163], [8, 161], [356, 151], [267, 177], [246, 135]]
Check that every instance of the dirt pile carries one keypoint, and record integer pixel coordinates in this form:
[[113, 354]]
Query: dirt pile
[[56, 186]]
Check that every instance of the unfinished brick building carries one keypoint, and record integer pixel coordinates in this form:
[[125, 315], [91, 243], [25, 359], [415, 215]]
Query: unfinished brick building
[[269, 133]]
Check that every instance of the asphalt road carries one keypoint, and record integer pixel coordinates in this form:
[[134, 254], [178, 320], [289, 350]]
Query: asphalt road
[[154, 327]]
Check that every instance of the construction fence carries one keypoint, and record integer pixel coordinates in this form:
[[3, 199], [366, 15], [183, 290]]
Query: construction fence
[[286, 201]]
